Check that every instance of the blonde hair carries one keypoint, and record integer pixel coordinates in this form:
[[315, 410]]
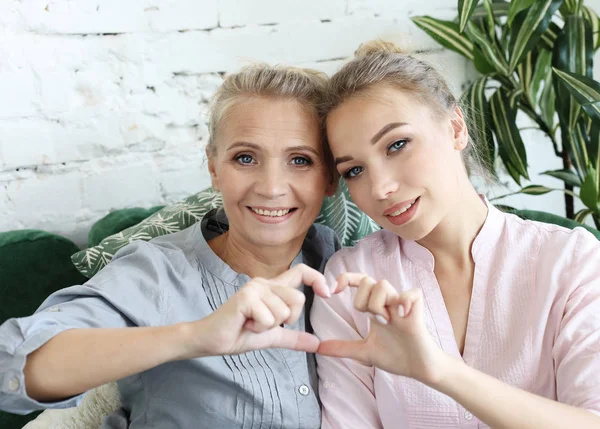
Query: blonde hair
[[305, 86], [383, 63]]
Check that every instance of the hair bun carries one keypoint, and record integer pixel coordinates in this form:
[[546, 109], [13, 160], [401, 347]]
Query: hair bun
[[377, 46]]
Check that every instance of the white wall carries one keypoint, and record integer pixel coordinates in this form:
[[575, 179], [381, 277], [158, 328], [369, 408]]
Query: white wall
[[102, 102]]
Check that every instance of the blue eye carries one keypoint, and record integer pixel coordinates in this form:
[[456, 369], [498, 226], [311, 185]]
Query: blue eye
[[301, 161], [244, 159], [396, 146], [352, 172]]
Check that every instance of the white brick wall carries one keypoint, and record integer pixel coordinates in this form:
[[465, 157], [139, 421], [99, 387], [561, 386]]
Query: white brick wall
[[102, 102]]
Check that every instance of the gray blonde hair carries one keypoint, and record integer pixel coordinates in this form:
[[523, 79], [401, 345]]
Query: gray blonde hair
[[305, 86], [383, 63]]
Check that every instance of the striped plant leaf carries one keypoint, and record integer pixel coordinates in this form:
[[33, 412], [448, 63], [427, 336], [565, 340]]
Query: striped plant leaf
[[549, 36], [541, 71], [499, 9], [517, 6], [525, 71], [589, 192], [547, 100], [570, 7], [586, 91], [582, 215], [489, 48], [446, 33], [567, 176], [535, 190], [465, 10], [594, 22], [577, 146], [479, 115], [510, 144], [528, 27]]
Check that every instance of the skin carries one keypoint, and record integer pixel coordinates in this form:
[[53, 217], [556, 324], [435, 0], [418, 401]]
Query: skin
[[423, 159], [278, 164]]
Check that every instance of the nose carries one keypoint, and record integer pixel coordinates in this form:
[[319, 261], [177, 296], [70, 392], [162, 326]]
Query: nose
[[272, 181], [383, 183]]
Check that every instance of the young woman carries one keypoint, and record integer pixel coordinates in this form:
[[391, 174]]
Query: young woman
[[458, 315], [187, 322]]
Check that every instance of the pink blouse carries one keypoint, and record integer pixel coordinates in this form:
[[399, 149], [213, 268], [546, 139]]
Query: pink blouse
[[534, 323]]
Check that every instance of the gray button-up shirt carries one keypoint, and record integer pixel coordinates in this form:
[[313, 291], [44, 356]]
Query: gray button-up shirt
[[171, 279]]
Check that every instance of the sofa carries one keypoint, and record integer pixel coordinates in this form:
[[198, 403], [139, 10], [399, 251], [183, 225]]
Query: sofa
[[33, 264]]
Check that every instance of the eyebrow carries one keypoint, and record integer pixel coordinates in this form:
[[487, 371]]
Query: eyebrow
[[289, 149], [386, 129]]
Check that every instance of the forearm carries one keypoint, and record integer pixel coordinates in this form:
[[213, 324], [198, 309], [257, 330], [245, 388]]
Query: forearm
[[500, 405], [80, 359]]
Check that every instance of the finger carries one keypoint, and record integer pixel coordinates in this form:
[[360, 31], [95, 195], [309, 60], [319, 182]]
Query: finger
[[361, 299], [278, 308], [302, 274], [408, 303], [382, 293], [294, 299], [348, 279], [261, 318], [279, 337], [345, 349]]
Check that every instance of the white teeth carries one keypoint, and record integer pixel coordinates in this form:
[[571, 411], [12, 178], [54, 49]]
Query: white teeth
[[399, 212], [274, 213]]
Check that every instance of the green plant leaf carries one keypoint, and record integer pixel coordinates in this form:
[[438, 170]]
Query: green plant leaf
[[499, 9], [549, 36], [481, 64], [525, 71], [517, 6], [567, 176], [570, 7], [510, 144], [489, 48], [594, 22], [480, 116], [541, 71], [446, 33], [582, 215], [586, 91], [528, 27], [535, 190], [589, 191], [465, 10]]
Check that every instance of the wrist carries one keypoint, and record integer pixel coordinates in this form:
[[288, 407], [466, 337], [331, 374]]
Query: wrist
[[448, 374], [188, 344]]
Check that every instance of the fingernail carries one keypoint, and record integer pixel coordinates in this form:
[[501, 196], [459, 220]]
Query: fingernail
[[381, 319], [327, 292], [333, 288], [401, 311]]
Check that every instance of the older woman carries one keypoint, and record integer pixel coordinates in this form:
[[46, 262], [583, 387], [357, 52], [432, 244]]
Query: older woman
[[188, 323]]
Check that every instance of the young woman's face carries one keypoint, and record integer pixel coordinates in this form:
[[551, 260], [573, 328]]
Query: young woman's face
[[269, 168], [401, 162]]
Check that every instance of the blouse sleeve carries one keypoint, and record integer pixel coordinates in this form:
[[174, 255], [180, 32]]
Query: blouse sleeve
[[346, 387], [127, 292], [576, 350]]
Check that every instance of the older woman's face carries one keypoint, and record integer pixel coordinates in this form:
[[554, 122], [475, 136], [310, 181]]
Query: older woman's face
[[269, 168]]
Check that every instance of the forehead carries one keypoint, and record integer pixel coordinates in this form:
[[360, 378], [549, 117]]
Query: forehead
[[266, 119]]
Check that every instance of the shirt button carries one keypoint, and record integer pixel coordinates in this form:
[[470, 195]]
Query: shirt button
[[468, 415], [13, 384], [304, 390]]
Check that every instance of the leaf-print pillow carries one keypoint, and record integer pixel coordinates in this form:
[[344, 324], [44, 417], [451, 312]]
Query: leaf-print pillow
[[338, 212]]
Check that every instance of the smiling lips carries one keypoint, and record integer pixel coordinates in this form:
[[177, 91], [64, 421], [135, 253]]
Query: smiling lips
[[401, 213], [275, 212], [272, 215]]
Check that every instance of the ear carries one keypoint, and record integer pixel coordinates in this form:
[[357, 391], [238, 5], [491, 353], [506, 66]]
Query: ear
[[212, 170], [459, 129]]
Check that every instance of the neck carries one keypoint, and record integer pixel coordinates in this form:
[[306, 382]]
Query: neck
[[451, 241], [254, 261]]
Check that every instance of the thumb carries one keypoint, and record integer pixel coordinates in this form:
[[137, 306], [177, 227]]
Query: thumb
[[283, 338], [356, 350]]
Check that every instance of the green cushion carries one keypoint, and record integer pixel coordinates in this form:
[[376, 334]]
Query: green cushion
[[338, 212], [117, 221], [33, 264], [552, 218]]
